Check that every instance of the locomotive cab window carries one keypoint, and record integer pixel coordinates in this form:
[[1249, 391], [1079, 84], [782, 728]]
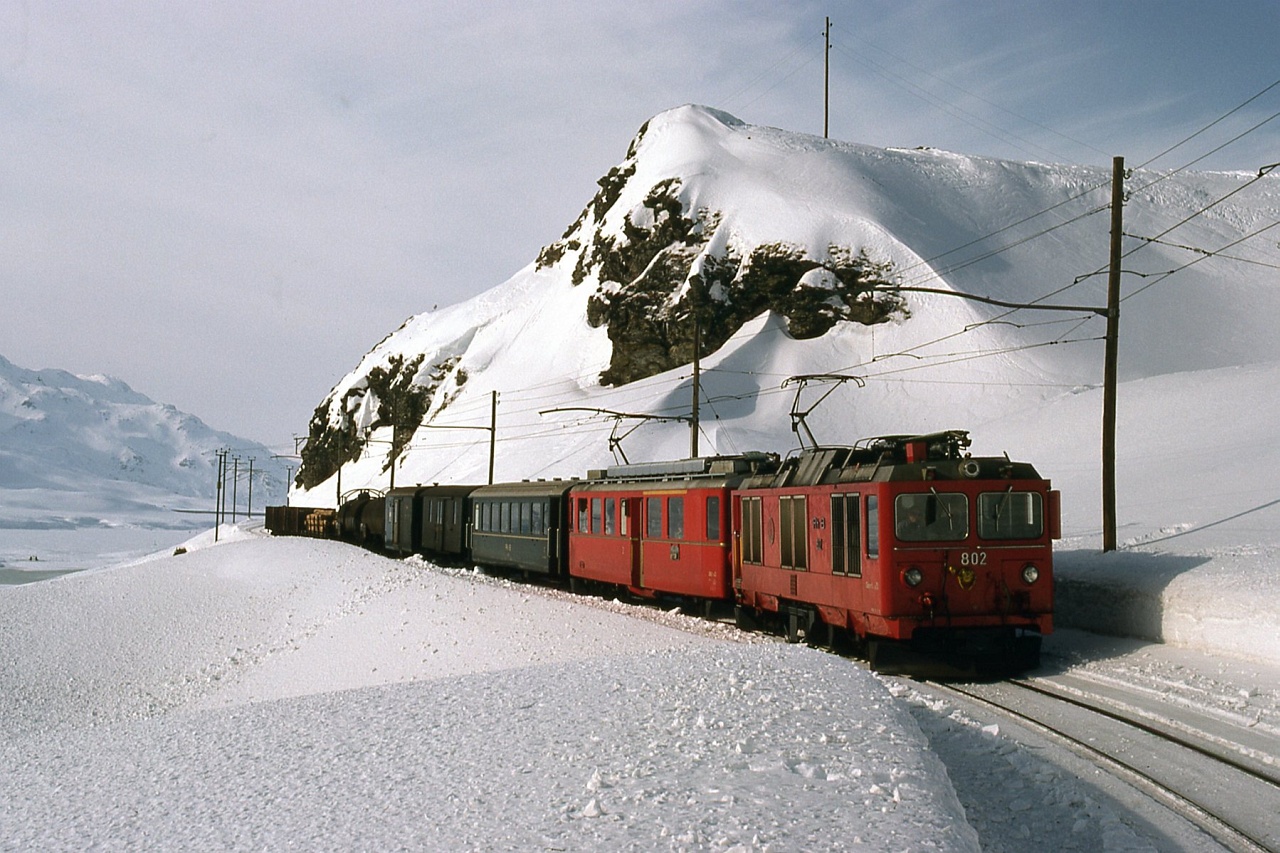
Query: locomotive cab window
[[610, 510], [931, 517], [1010, 515]]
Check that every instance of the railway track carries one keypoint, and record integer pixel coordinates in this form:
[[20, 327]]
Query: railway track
[[1224, 779]]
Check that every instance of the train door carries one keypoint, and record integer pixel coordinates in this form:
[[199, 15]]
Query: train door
[[392, 523], [631, 528], [452, 525]]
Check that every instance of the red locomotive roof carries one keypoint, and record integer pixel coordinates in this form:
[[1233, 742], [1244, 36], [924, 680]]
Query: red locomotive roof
[[935, 456]]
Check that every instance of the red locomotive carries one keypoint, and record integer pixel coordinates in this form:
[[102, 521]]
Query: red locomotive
[[906, 544]]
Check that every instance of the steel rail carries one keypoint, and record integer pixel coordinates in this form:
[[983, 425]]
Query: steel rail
[[1184, 804]]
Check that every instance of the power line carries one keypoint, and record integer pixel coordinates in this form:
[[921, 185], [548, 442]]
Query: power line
[[1204, 257], [1211, 124], [973, 120], [978, 97], [1203, 251]]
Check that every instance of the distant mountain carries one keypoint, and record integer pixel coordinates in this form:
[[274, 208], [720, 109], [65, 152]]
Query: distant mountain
[[780, 246], [92, 446]]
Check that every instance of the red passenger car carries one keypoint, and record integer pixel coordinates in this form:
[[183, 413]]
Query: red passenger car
[[659, 529], [906, 544]]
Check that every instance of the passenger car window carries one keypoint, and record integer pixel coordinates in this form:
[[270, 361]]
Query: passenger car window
[[713, 518], [653, 517], [675, 518]]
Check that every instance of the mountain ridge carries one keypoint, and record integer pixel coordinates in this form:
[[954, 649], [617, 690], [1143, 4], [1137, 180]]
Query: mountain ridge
[[69, 440], [739, 187]]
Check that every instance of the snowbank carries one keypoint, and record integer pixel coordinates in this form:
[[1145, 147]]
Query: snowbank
[[272, 693]]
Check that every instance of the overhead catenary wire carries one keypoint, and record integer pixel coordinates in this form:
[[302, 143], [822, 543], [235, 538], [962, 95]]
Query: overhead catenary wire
[[1212, 124], [1204, 257], [951, 84], [950, 108]]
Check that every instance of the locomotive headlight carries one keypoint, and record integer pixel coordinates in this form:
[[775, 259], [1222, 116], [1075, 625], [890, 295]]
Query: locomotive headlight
[[913, 576], [1030, 573]]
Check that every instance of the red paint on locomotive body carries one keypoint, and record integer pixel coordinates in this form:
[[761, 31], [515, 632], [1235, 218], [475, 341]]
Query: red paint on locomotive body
[[659, 528], [898, 535]]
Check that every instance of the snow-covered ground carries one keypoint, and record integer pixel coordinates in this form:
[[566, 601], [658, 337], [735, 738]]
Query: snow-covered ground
[[270, 693], [275, 693]]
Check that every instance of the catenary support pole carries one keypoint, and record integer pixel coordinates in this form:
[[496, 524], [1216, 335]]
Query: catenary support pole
[[697, 387], [826, 80], [493, 430], [1112, 357]]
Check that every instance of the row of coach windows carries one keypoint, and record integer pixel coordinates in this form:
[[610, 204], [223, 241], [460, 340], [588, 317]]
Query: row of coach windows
[[664, 517], [527, 518], [848, 514]]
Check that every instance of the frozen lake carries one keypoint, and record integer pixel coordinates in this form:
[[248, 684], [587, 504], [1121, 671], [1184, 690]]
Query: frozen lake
[[28, 555]]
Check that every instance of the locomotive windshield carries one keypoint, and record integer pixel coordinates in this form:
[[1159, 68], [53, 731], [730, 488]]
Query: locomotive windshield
[[1010, 515], [934, 517]]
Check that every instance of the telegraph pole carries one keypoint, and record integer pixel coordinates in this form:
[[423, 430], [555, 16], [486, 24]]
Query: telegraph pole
[[235, 485], [493, 429], [219, 492], [826, 80], [697, 387], [249, 513], [1112, 357]]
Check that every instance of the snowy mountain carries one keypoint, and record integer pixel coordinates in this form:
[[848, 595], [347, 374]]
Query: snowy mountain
[[78, 450], [776, 242]]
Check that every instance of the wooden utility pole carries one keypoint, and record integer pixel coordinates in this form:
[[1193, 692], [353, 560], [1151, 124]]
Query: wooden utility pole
[[493, 430], [1112, 357], [826, 80], [217, 494], [697, 386], [235, 486]]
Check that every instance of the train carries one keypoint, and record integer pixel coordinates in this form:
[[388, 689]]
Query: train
[[905, 549]]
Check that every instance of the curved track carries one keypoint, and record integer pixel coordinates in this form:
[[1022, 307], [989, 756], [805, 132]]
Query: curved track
[[1224, 780]]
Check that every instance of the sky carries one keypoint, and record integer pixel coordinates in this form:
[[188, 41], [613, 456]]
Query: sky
[[226, 205]]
